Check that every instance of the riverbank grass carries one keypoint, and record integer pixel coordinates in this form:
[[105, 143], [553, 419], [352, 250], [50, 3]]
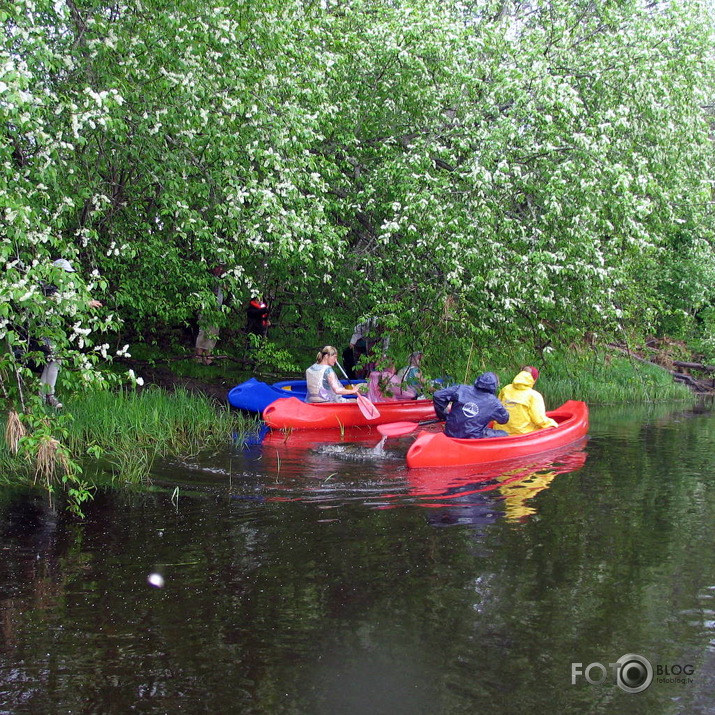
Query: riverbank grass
[[119, 435], [130, 429], [602, 378]]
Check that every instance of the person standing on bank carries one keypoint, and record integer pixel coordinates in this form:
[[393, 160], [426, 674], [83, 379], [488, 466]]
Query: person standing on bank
[[257, 322], [323, 384], [364, 339], [472, 408], [48, 378], [208, 334]]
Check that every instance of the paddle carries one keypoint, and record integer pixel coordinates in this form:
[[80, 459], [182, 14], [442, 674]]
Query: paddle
[[368, 409], [398, 429], [345, 375]]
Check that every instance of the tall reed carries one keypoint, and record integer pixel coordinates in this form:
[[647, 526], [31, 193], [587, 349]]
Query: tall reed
[[130, 429]]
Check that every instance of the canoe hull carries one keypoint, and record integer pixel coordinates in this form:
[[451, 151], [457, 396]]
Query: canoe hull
[[294, 414], [438, 450]]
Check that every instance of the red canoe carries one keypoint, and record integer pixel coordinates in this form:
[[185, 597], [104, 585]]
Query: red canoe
[[437, 450], [292, 413]]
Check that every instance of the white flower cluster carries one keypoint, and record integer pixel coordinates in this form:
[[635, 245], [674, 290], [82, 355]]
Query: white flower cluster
[[134, 379]]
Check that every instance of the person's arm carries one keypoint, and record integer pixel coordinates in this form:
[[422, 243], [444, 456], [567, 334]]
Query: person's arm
[[441, 399], [537, 411], [358, 333], [91, 302], [335, 385], [502, 399], [501, 416]]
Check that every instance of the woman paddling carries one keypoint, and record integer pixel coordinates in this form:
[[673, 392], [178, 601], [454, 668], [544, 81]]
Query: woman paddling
[[323, 383]]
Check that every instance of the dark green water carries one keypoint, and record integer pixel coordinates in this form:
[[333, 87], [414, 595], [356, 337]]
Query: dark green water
[[329, 579]]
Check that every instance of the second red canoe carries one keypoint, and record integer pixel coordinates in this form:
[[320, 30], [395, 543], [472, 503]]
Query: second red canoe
[[292, 413]]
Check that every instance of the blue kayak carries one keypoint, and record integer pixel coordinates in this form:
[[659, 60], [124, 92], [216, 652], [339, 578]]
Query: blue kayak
[[254, 395]]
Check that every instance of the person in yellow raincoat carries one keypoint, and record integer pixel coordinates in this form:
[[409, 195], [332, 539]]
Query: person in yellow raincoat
[[524, 404]]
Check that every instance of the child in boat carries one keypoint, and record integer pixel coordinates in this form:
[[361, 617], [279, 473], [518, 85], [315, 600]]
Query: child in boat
[[384, 385], [380, 383], [323, 384], [473, 408], [525, 405], [410, 377]]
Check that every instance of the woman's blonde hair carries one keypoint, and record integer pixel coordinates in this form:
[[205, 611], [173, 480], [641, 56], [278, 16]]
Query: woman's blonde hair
[[327, 350]]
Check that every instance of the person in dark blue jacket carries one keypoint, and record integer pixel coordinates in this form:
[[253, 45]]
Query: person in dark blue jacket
[[473, 408]]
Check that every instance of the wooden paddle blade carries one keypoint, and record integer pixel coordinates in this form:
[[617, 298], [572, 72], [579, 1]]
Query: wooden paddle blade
[[397, 429], [368, 409]]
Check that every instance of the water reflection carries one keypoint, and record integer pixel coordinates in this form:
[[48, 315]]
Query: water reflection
[[499, 489], [358, 464]]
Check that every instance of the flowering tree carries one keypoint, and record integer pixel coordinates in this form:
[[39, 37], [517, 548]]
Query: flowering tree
[[553, 176]]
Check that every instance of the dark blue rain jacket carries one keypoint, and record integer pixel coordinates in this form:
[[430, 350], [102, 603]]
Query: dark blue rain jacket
[[473, 408]]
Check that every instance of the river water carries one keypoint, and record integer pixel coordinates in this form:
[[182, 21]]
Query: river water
[[306, 577]]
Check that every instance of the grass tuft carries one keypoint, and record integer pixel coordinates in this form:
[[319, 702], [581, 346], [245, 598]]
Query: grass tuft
[[130, 429], [14, 431]]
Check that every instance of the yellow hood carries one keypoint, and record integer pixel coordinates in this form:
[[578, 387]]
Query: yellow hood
[[523, 381]]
